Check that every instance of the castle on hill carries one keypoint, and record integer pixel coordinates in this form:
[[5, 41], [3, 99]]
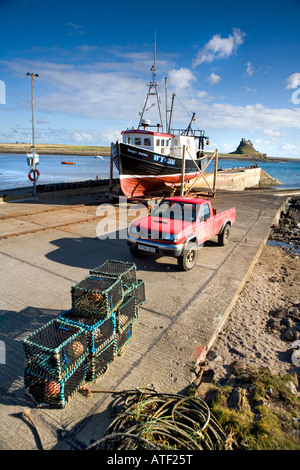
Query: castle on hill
[[245, 147]]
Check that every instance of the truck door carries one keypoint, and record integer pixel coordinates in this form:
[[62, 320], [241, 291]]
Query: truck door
[[207, 220]]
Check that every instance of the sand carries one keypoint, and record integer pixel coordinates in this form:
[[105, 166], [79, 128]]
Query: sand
[[273, 284]]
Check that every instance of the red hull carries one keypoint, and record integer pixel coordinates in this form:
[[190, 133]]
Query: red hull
[[137, 186]]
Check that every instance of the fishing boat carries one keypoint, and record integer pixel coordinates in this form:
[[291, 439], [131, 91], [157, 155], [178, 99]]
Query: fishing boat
[[151, 158]]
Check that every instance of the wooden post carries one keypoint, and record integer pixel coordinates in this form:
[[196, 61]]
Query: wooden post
[[182, 171]]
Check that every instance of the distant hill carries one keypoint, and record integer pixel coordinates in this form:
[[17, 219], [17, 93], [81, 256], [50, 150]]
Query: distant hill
[[246, 148]]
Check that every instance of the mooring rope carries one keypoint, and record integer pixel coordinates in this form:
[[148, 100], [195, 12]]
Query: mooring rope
[[152, 420]]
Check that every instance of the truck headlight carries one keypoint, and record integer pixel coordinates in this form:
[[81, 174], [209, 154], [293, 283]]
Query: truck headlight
[[172, 237], [134, 230], [169, 237]]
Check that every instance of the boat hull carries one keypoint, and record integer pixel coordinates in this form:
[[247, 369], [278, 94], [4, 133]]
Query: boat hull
[[143, 172]]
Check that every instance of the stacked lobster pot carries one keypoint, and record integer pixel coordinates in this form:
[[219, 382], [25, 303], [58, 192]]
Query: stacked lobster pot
[[55, 362], [134, 296], [79, 344]]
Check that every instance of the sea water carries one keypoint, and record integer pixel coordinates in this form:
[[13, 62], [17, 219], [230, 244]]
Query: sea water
[[14, 170]]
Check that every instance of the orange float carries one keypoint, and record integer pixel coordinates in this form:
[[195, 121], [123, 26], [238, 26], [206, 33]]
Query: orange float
[[52, 388]]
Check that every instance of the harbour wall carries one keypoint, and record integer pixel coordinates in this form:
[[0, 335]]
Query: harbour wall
[[237, 179]]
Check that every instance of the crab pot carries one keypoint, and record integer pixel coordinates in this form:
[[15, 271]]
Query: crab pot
[[123, 338], [122, 270], [126, 313], [42, 389], [97, 297], [56, 348], [99, 332], [97, 363], [138, 291]]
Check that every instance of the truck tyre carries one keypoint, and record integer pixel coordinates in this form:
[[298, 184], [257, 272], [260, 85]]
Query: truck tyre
[[188, 258], [223, 237]]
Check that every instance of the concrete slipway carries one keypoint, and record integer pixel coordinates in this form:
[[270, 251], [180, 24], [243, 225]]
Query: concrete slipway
[[49, 245]]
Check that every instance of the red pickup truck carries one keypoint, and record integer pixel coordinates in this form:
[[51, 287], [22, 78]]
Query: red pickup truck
[[177, 227]]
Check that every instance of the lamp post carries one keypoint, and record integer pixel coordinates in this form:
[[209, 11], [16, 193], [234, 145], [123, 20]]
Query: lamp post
[[33, 75]]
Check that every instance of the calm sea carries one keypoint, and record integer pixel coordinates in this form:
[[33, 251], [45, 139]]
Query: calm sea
[[14, 170]]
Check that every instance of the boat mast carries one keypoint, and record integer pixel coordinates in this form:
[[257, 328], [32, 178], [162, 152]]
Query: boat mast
[[189, 127], [153, 85], [171, 112]]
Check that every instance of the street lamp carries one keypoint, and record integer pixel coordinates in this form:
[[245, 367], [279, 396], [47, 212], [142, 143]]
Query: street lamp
[[34, 159]]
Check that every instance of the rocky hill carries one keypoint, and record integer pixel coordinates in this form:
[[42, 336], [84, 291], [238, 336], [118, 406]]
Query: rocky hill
[[246, 148]]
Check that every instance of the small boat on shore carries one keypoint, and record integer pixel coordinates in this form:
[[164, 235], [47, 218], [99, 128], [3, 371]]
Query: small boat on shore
[[68, 163], [151, 160]]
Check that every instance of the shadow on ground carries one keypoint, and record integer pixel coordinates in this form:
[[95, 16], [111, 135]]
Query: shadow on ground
[[14, 327]]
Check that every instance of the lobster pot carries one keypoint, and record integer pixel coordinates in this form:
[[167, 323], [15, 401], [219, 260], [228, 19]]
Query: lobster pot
[[97, 363], [42, 389], [123, 338], [138, 291], [122, 270], [126, 313], [56, 348], [96, 297], [99, 332]]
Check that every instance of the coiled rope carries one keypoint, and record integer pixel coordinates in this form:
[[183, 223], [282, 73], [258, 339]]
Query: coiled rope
[[155, 421]]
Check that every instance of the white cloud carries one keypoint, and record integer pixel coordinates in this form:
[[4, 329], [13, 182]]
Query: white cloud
[[84, 91], [203, 95], [290, 148], [181, 78], [249, 69], [214, 78], [220, 48], [110, 136], [82, 137], [105, 97], [293, 81], [274, 135], [250, 117], [42, 120], [73, 28]]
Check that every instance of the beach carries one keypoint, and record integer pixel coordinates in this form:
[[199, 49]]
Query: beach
[[250, 334]]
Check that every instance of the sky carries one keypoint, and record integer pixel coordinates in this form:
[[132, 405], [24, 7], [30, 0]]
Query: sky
[[236, 64]]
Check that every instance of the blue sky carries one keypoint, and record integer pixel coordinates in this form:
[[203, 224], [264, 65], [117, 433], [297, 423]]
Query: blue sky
[[235, 63]]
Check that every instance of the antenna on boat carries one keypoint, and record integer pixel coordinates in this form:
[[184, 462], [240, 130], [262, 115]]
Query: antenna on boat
[[154, 53], [153, 84]]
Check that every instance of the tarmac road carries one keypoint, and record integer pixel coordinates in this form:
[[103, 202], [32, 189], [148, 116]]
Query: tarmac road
[[46, 246]]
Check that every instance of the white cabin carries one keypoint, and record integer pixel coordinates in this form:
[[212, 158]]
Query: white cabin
[[165, 144]]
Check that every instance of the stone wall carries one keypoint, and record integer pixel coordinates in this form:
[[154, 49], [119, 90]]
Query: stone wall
[[232, 181]]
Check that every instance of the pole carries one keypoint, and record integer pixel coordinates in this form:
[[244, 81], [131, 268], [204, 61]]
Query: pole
[[182, 172], [33, 142], [166, 103], [33, 75]]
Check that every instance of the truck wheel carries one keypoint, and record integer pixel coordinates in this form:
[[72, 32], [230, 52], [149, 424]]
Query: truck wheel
[[224, 236], [188, 258]]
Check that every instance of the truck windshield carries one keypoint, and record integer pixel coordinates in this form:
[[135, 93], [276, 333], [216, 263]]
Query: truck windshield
[[186, 212]]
